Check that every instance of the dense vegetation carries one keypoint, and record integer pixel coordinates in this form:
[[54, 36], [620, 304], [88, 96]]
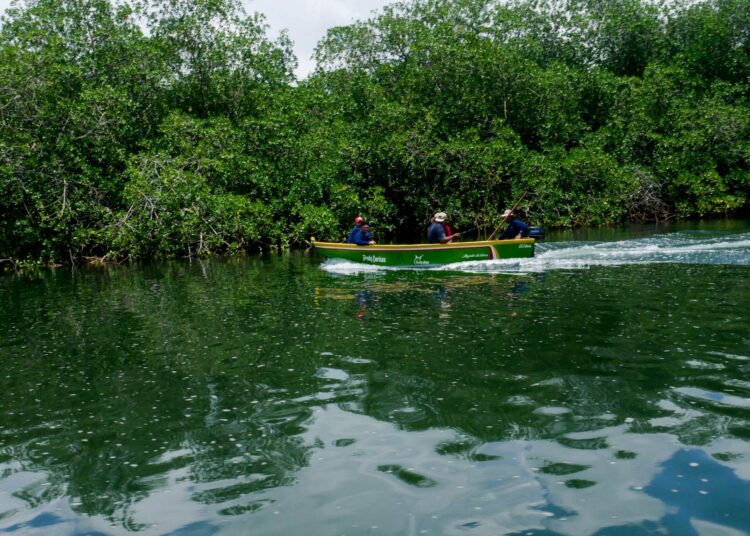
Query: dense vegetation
[[175, 127]]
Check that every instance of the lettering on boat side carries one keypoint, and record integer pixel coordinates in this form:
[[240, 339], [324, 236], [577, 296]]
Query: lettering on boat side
[[524, 246], [372, 258], [475, 256], [418, 259]]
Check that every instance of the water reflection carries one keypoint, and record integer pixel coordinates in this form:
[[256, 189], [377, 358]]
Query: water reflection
[[268, 393], [364, 300], [701, 493]]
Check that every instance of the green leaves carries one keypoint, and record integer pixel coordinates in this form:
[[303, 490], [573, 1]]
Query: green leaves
[[583, 187], [84, 90], [193, 138], [219, 61], [172, 211]]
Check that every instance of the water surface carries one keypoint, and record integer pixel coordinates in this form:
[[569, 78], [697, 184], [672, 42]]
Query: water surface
[[599, 388]]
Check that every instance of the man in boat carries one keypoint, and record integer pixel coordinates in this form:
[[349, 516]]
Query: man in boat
[[436, 233], [358, 221], [516, 228], [364, 237]]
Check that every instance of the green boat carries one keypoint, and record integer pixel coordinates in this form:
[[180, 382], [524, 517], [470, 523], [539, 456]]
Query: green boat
[[428, 254]]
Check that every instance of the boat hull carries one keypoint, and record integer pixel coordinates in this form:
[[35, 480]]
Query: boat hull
[[428, 254]]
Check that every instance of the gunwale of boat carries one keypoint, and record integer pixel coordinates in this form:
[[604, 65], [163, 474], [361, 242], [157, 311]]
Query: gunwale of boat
[[407, 247]]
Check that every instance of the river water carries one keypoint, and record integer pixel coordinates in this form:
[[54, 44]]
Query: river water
[[602, 387]]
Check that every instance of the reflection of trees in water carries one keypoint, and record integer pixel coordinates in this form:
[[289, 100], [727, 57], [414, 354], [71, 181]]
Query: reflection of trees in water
[[129, 377], [107, 453], [697, 487], [527, 357]]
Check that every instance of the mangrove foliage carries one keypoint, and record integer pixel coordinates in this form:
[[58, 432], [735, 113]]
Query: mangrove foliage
[[152, 128]]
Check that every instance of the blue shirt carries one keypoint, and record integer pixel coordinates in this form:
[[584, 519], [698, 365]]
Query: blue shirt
[[435, 233], [362, 238], [353, 235], [515, 227]]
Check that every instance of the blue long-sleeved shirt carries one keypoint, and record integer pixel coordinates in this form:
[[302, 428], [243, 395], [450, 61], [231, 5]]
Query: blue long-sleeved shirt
[[515, 227], [362, 238], [353, 235]]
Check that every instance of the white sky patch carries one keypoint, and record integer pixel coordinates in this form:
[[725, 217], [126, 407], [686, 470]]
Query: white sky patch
[[306, 21]]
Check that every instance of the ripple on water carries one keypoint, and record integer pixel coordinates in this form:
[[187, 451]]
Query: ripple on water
[[714, 397], [332, 374], [356, 360], [735, 357], [551, 382], [552, 410], [408, 476], [519, 400], [562, 468], [698, 364], [594, 443]]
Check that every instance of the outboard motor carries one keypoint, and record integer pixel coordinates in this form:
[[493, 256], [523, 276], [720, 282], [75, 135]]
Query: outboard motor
[[536, 233]]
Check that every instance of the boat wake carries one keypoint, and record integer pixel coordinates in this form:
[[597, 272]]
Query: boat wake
[[680, 248]]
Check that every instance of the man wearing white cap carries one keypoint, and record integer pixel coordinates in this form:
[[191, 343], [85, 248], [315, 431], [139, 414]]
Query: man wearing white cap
[[516, 228], [436, 232]]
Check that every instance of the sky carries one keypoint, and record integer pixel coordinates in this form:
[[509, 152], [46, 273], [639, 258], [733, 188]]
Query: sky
[[305, 20], [308, 20]]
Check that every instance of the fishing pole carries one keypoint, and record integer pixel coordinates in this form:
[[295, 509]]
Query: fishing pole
[[462, 233]]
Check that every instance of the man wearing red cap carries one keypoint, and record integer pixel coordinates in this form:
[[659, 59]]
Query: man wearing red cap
[[358, 221]]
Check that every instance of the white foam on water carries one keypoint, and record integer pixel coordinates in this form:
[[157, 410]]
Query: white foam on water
[[681, 248], [344, 267]]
